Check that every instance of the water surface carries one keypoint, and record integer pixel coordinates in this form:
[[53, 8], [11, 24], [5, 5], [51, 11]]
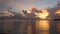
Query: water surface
[[30, 26]]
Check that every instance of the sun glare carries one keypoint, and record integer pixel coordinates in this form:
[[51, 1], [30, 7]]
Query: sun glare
[[58, 12], [43, 15]]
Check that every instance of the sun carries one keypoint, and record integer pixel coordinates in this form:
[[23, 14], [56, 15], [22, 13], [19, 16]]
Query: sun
[[43, 15]]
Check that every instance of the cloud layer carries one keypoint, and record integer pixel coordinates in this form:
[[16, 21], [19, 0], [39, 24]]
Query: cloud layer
[[25, 4]]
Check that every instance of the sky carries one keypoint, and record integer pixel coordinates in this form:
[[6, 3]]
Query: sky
[[18, 5]]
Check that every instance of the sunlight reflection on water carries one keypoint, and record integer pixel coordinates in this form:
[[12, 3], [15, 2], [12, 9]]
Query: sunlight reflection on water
[[42, 26], [30, 26]]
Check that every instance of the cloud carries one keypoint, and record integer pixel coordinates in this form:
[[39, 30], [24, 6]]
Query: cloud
[[25, 4]]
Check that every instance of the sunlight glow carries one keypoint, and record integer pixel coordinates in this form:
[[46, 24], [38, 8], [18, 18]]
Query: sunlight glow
[[43, 15], [30, 9], [58, 12], [23, 14]]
